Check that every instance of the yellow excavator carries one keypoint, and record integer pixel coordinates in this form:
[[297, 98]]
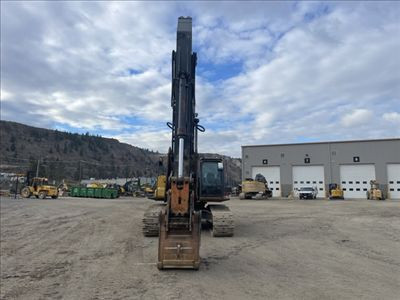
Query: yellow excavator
[[255, 189], [375, 193], [40, 188]]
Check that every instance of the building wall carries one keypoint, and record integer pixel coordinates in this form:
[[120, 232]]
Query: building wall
[[330, 154]]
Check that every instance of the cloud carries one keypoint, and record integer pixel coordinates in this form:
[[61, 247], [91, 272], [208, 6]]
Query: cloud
[[392, 117], [357, 117], [268, 72]]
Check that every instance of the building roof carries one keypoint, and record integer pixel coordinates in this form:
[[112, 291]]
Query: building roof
[[327, 142]]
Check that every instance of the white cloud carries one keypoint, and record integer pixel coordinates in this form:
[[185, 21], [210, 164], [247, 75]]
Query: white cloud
[[392, 117], [357, 117]]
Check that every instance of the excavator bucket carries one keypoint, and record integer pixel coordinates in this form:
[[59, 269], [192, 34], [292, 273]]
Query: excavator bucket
[[179, 248]]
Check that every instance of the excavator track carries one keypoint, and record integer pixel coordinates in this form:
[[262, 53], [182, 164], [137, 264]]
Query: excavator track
[[222, 220], [151, 220]]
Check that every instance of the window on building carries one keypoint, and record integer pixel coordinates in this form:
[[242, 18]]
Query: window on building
[[320, 182], [350, 189], [357, 182]]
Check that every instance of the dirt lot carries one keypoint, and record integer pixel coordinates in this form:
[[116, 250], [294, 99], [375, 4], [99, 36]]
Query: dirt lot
[[93, 249]]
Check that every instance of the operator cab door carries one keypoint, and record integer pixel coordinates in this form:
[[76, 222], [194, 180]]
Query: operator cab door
[[211, 179]]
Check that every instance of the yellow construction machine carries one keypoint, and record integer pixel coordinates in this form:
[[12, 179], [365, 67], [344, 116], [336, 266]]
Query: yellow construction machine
[[375, 193], [335, 192], [157, 191], [255, 189], [40, 188]]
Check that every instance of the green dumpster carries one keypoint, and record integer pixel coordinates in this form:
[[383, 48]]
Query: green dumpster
[[106, 193], [75, 191], [97, 193], [83, 192], [90, 192], [114, 193]]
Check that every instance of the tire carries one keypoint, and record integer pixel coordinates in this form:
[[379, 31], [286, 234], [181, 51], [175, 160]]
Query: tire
[[26, 192], [42, 195]]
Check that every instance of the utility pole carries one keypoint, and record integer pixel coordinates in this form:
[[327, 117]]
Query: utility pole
[[37, 168], [80, 171]]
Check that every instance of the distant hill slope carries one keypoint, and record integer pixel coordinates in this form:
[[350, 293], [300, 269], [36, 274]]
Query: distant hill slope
[[75, 156]]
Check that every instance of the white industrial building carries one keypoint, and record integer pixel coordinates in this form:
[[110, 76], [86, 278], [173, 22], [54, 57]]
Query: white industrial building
[[352, 164]]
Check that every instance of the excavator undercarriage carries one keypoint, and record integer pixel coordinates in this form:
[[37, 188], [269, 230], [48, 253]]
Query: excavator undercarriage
[[216, 217]]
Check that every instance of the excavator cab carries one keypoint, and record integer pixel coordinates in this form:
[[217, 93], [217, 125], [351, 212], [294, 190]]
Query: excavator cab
[[212, 179]]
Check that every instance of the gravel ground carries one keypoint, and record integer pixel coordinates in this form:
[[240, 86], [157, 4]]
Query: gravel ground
[[73, 248]]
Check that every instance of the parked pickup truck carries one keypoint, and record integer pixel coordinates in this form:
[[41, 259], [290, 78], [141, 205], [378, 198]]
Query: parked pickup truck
[[308, 192]]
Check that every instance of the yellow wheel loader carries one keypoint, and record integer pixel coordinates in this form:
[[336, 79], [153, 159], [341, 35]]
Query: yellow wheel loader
[[40, 188], [335, 192]]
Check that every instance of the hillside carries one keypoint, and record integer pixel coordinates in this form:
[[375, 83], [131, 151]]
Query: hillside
[[73, 156]]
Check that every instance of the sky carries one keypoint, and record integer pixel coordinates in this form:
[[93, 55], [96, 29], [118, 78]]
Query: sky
[[267, 73]]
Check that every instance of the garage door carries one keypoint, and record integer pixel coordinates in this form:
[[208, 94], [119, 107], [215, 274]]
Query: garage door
[[393, 171], [272, 175], [309, 176], [355, 180]]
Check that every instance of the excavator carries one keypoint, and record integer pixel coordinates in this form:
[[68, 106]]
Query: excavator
[[191, 182], [375, 193], [255, 189]]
